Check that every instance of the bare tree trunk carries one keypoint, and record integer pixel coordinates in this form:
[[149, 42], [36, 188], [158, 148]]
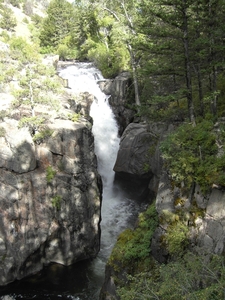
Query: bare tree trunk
[[213, 74], [131, 52], [187, 64], [31, 98], [133, 63], [200, 91]]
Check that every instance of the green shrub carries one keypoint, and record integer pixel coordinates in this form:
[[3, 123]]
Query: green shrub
[[43, 134], [177, 238], [8, 20], [15, 3], [56, 201], [23, 51], [74, 117], [134, 245], [31, 121], [63, 51], [193, 277], [2, 132], [190, 154], [50, 174]]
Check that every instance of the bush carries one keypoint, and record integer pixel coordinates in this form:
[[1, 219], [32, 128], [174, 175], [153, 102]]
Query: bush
[[110, 61], [134, 245], [177, 238], [15, 3], [32, 122], [2, 132], [56, 202], [23, 51], [190, 154], [8, 21], [74, 117], [43, 134], [50, 174], [193, 277]]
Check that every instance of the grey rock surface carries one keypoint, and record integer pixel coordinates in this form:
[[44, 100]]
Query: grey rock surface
[[50, 197]]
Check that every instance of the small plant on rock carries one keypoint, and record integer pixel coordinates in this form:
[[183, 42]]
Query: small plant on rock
[[2, 132], [43, 134], [50, 174], [56, 201]]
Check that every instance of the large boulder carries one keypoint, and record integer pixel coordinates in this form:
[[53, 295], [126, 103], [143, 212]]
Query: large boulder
[[50, 198], [139, 163], [134, 152]]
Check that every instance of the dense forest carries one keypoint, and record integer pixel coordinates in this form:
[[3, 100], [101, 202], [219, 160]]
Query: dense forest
[[174, 51]]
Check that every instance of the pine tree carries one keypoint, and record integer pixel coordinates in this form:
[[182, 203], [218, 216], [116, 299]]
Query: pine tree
[[58, 24], [8, 20]]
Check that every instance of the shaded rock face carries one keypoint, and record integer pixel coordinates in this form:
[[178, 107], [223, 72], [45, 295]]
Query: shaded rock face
[[207, 225], [138, 163], [119, 89], [50, 198]]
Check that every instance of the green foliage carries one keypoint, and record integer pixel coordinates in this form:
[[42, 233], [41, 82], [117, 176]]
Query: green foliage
[[37, 20], [63, 51], [50, 174], [66, 50], [3, 114], [110, 61], [2, 131], [15, 3], [31, 121], [58, 23], [193, 277], [74, 117], [7, 73], [42, 135], [23, 51], [8, 20], [177, 238], [134, 245], [56, 202], [191, 155]]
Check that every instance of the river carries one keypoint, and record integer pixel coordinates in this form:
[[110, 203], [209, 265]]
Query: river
[[83, 280]]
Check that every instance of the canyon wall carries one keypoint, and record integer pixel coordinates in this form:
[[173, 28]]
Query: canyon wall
[[50, 191]]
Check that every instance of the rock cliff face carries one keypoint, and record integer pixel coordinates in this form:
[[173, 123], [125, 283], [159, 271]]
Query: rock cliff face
[[120, 91], [50, 196], [206, 223]]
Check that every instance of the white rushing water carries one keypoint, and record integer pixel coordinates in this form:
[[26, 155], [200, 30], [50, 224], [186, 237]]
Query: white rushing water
[[84, 280]]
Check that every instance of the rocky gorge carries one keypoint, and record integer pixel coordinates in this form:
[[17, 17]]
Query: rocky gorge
[[51, 190]]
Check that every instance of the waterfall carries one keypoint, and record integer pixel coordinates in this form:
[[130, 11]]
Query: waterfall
[[83, 77]]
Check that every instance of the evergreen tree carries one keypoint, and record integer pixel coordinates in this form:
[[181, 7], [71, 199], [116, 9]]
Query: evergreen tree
[[58, 24], [8, 20]]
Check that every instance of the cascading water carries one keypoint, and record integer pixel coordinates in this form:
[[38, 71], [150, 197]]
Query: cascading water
[[84, 279]]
